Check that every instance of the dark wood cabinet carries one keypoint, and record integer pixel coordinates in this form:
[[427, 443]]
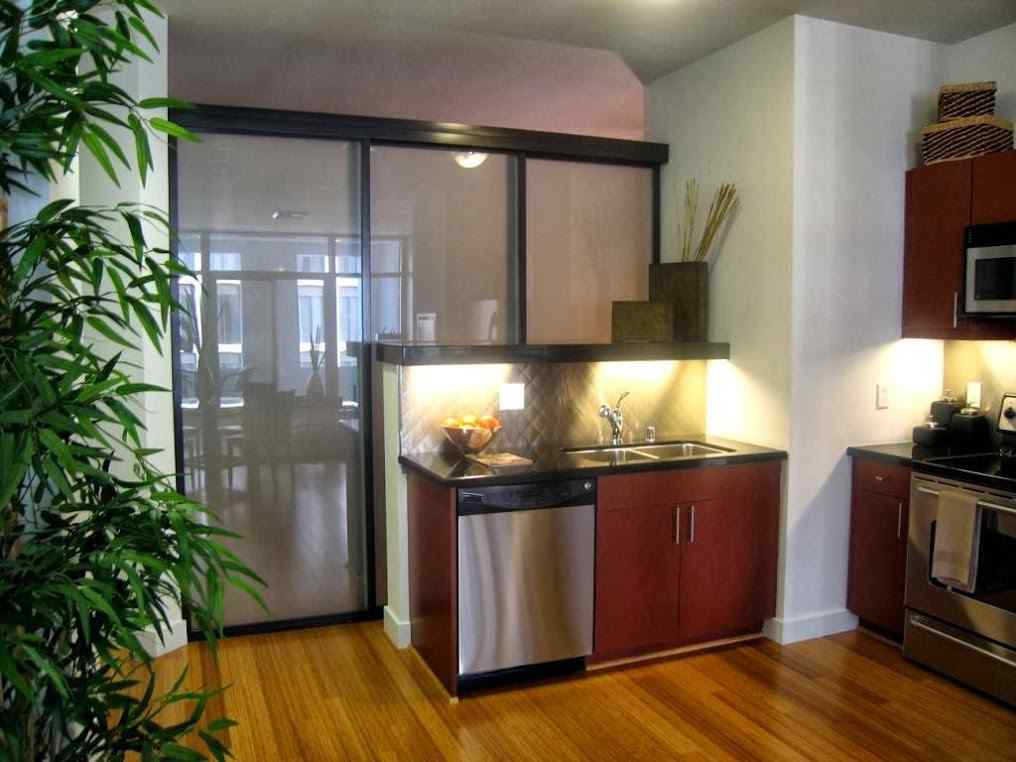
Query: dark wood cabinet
[[993, 197], [685, 556], [878, 543], [638, 579], [433, 585], [941, 200]]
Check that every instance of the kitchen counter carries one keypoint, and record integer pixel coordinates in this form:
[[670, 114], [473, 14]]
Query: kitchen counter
[[453, 470], [903, 453], [985, 469]]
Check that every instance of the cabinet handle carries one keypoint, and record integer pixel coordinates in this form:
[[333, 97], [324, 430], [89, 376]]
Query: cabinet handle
[[899, 521], [677, 525], [956, 309], [691, 529], [879, 478]]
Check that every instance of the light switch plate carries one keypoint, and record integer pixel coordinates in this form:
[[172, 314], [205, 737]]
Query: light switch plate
[[512, 397], [881, 396]]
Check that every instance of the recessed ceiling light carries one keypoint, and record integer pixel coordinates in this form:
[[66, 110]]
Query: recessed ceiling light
[[470, 159]]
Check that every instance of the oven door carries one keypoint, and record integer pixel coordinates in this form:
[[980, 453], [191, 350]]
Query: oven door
[[991, 609], [990, 282]]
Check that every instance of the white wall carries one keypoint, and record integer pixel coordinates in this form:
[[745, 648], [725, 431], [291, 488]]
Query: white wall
[[990, 56], [817, 123], [729, 117], [403, 68], [855, 133]]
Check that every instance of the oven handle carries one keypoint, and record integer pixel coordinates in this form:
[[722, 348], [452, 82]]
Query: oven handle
[[915, 622], [980, 503]]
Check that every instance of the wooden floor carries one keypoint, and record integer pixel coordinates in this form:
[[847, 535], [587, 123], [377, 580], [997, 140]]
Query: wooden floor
[[345, 693]]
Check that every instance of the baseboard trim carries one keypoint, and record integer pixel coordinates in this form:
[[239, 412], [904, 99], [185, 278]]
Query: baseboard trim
[[667, 653], [397, 630], [785, 631], [175, 637]]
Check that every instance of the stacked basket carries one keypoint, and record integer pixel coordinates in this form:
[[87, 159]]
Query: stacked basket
[[967, 125]]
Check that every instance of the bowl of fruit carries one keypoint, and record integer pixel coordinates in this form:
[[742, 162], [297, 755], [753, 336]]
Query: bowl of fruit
[[471, 434]]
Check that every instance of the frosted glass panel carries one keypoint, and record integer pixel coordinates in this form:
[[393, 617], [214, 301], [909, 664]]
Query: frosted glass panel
[[588, 243], [442, 246], [269, 364]]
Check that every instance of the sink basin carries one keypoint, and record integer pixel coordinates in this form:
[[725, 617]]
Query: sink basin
[[617, 456], [681, 450]]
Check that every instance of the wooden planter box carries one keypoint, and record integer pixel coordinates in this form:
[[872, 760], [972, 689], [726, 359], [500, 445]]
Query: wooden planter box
[[965, 138], [686, 284]]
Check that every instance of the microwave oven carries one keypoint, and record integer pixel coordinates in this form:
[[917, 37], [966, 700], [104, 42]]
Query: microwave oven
[[990, 283]]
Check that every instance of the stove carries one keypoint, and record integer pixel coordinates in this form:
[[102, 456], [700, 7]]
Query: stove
[[966, 628]]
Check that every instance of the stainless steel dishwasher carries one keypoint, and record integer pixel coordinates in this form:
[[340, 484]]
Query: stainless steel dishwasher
[[526, 564]]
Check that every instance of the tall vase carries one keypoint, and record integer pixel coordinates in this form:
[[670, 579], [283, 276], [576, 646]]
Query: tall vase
[[686, 285]]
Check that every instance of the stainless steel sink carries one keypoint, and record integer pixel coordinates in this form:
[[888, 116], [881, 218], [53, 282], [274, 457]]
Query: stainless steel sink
[[616, 456], [666, 451], [643, 453]]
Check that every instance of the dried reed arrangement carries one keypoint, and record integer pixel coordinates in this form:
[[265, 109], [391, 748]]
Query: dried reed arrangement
[[724, 204]]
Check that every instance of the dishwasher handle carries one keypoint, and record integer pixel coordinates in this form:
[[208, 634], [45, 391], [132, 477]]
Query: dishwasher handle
[[526, 497]]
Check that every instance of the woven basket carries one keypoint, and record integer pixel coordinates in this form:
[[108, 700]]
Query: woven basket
[[965, 138], [969, 99]]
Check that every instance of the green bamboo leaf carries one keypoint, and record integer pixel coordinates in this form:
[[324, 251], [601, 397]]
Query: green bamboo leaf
[[9, 669], [97, 150], [104, 328], [44, 664], [173, 129]]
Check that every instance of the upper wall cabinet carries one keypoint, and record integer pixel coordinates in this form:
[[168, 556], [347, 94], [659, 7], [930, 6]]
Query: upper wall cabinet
[[942, 199], [589, 241], [994, 188]]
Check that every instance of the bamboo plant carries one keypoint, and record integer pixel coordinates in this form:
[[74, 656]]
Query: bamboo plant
[[724, 204], [95, 544]]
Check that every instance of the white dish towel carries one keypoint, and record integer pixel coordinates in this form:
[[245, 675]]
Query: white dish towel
[[957, 540]]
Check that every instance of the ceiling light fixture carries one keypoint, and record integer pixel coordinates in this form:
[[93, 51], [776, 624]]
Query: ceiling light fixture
[[470, 159]]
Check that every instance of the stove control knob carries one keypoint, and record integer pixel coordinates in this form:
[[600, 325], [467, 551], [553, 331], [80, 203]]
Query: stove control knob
[[1009, 413]]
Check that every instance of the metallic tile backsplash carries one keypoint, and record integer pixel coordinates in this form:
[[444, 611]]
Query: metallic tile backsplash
[[562, 402]]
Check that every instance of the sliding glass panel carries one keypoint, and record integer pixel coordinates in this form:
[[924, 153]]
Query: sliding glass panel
[[589, 242], [269, 364], [442, 246]]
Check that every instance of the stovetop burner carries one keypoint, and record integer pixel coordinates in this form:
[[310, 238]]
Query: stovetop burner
[[1000, 463]]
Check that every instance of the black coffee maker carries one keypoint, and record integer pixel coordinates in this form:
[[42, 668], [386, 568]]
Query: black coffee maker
[[935, 432], [951, 424]]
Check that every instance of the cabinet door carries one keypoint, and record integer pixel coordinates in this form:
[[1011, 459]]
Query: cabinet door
[[937, 213], [994, 188], [878, 548], [637, 579], [725, 568]]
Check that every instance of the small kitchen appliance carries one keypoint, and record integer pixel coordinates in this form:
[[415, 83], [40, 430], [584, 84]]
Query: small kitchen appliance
[[990, 283], [935, 431]]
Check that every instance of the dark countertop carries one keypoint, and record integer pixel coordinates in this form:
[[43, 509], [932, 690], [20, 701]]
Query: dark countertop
[[903, 453], [985, 469], [453, 470]]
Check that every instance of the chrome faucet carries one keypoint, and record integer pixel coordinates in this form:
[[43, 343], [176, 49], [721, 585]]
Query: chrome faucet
[[616, 418]]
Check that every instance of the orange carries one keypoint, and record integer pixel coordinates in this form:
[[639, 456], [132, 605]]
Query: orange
[[489, 422]]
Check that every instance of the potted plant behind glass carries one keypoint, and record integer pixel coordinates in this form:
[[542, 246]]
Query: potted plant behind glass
[[95, 544]]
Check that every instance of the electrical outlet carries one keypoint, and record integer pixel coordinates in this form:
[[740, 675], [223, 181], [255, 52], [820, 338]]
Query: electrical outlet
[[881, 396], [512, 397]]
